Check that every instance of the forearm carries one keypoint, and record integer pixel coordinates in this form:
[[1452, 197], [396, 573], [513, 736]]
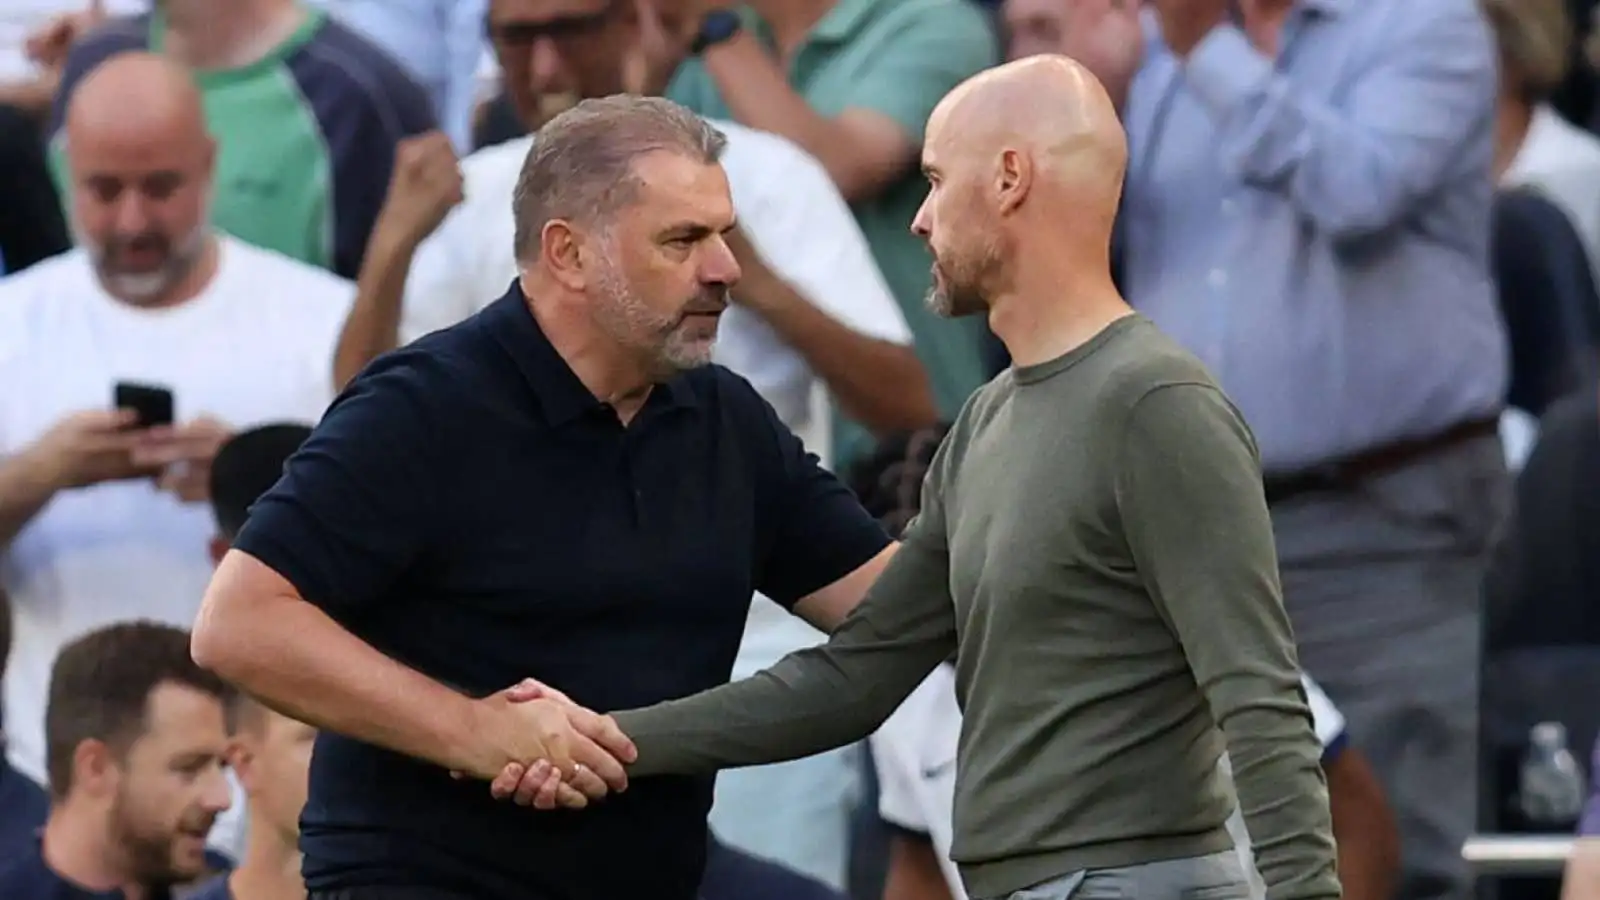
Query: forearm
[[373, 327], [296, 659], [1363, 828], [881, 385], [815, 699], [758, 94], [26, 488], [1582, 881], [1400, 133]]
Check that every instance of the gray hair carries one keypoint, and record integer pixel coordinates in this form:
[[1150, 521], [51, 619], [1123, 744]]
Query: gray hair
[[581, 167]]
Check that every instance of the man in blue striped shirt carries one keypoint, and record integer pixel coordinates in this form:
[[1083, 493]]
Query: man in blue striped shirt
[[1307, 210]]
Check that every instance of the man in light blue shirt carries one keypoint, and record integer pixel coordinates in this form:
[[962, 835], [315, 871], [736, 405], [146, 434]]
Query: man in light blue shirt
[[441, 42], [1307, 209]]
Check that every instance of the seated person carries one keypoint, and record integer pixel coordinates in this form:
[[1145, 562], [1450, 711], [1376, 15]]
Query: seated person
[[136, 737], [915, 750]]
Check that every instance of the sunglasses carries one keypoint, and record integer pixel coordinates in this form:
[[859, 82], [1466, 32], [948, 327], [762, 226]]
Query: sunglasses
[[525, 34]]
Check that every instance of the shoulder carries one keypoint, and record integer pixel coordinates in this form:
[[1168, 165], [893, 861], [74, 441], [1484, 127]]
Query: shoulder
[[488, 172], [295, 283], [1142, 361], [342, 62], [44, 290]]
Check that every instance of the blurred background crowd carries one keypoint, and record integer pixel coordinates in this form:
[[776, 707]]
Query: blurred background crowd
[[1377, 221]]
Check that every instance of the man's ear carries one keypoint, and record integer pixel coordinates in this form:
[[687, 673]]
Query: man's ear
[[95, 768], [561, 251], [241, 759]]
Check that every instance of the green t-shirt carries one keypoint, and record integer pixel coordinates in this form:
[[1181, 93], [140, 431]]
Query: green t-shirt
[[898, 58]]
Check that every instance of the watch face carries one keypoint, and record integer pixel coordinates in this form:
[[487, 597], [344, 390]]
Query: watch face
[[718, 26]]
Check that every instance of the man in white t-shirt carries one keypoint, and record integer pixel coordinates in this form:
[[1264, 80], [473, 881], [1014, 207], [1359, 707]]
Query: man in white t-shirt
[[811, 311], [102, 519]]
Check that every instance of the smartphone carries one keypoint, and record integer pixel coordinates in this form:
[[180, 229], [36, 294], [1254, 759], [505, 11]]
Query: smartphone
[[152, 402]]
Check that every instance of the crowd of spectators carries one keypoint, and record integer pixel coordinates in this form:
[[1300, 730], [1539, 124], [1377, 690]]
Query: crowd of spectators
[[1377, 221]]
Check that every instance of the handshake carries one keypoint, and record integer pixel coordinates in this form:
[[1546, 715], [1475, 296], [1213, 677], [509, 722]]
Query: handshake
[[538, 748]]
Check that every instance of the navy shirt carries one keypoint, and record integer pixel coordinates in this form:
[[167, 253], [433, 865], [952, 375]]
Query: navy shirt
[[23, 808], [468, 507], [734, 875], [29, 877]]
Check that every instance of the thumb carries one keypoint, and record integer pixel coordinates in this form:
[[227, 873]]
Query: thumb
[[525, 690]]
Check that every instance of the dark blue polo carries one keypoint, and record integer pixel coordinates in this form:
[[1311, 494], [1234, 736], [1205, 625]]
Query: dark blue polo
[[23, 808], [469, 508]]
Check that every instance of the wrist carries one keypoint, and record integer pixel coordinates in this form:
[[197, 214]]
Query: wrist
[[42, 470]]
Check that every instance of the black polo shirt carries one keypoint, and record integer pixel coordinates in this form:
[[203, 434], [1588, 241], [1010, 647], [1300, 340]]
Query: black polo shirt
[[469, 508]]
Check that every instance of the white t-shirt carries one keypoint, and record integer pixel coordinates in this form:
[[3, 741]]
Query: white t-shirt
[[793, 216], [255, 347], [915, 754]]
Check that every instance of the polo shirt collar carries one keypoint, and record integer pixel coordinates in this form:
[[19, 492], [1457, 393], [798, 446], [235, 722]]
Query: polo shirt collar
[[563, 398]]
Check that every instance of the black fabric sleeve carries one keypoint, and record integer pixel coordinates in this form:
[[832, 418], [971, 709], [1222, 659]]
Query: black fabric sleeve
[[359, 501], [821, 531]]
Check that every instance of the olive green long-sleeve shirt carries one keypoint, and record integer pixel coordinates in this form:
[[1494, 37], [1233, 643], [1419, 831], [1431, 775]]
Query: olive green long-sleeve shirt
[[1095, 538]]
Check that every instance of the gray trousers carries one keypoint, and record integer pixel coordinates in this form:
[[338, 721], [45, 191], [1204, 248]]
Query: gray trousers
[[1383, 586], [1217, 876]]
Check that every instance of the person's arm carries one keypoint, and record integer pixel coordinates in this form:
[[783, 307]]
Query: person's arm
[[1363, 827], [1357, 166], [1190, 497], [810, 274], [1582, 878], [408, 248], [875, 139], [32, 227], [357, 505], [835, 694], [913, 872]]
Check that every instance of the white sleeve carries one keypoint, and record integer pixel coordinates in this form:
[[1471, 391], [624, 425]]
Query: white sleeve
[[1325, 717], [805, 231], [892, 751], [443, 286]]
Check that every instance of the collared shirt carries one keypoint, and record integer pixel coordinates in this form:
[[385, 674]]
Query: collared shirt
[[441, 42], [1316, 228], [24, 806], [471, 509], [897, 58]]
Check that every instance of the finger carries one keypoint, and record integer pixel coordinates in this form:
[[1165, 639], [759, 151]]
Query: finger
[[504, 785], [528, 786], [589, 755], [571, 798], [549, 796], [588, 783], [524, 690], [605, 731]]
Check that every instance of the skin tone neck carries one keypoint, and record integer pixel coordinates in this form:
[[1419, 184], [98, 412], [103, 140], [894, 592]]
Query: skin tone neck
[[612, 373], [1055, 302], [206, 34], [78, 847], [270, 869]]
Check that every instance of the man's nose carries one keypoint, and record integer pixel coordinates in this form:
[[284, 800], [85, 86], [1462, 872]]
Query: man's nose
[[215, 795], [131, 217], [720, 266], [546, 69], [921, 226]]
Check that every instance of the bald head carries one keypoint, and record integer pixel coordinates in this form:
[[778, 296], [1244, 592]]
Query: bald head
[[1049, 107], [134, 93], [1027, 155], [141, 163]]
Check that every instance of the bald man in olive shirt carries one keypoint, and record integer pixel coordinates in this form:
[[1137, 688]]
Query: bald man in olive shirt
[[1093, 539]]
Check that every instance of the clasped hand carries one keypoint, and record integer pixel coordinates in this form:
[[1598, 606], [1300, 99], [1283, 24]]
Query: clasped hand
[[548, 751]]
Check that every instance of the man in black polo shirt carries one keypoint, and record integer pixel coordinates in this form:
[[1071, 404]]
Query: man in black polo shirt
[[559, 487]]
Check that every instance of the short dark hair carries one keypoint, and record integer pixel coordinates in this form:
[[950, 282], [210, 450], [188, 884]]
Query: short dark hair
[[101, 684], [581, 165], [246, 467]]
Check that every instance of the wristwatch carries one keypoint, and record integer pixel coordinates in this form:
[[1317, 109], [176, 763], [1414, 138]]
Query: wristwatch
[[718, 26]]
